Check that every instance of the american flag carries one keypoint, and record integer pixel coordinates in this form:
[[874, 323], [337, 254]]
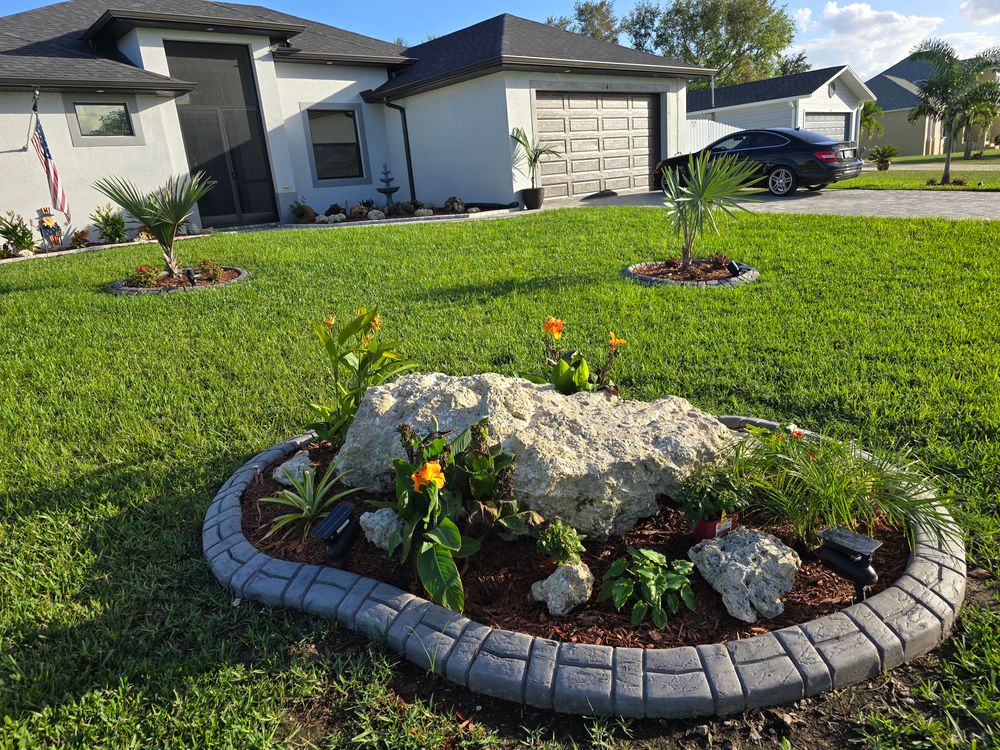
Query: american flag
[[45, 156]]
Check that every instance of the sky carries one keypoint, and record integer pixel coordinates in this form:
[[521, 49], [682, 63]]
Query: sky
[[869, 36]]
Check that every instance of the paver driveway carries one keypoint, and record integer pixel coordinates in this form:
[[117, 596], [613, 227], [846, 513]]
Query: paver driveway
[[903, 203]]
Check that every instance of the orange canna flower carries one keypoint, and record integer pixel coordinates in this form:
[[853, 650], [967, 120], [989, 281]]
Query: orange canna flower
[[377, 323], [330, 320], [429, 473], [554, 326], [616, 342]]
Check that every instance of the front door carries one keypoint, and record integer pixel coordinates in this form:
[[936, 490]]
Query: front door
[[223, 133]]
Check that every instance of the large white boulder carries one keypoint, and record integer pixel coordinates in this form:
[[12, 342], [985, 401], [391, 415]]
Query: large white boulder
[[567, 588], [596, 461], [752, 570]]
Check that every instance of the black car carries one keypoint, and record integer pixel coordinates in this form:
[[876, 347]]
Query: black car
[[786, 158]]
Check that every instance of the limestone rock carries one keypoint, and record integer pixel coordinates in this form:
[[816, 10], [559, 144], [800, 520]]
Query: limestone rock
[[596, 461], [423, 212], [379, 526], [567, 588], [322, 219], [474, 210], [337, 218], [375, 215], [750, 569], [297, 466]]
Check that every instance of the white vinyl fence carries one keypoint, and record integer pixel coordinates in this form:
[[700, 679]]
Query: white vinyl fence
[[702, 132]]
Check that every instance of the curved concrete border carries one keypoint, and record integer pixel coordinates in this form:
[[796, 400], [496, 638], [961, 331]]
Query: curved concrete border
[[747, 274], [119, 287], [908, 619]]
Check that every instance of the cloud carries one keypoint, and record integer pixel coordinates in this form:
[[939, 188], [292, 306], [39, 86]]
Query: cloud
[[968, 43], [869, 40], [803, 19], [981, 12]]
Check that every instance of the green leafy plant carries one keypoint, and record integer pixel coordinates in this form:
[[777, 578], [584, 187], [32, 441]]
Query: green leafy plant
[[569, 371], [210, 270], [359, 359], [163, 211], [80, 238], [708, 184], [561, 543], [144, 277], [297, 209], [812, 483], [529, 154], [645, 579], [309, 500], [16, 234], [878, 154], [368, 204], [709, 492], [334, 209], [110, 222]]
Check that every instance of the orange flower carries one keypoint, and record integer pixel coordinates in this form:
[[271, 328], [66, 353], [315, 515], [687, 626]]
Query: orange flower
[[429, 473], [376, 323], [616, 342], [554, 326], [330, 320]]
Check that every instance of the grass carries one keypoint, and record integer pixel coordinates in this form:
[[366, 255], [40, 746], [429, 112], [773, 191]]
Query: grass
[[990, 156], [121, 416], [916, 179]]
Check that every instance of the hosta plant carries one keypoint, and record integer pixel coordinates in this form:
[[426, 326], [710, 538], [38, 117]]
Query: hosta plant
[[561, 543], [310, 500], [645, 579]]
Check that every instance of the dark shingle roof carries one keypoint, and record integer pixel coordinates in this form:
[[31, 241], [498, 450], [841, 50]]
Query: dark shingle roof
[[506, 42], [782, 87], [897, 87]]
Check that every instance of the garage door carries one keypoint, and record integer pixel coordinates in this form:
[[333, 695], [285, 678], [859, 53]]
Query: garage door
[[608, 141], [837, 125]]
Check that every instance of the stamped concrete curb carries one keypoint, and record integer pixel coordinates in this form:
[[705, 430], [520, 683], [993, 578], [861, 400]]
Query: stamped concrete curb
[[906, 620], [747, 274], [119, 287]]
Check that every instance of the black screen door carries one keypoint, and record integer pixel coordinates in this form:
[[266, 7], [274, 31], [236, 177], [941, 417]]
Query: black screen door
[[223, 133]]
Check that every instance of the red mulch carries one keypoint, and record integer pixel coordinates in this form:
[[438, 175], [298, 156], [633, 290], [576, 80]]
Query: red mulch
[[498, 579], [172, 282], [699, 270]]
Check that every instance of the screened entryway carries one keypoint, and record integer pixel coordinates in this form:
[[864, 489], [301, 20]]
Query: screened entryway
[[223, 133]]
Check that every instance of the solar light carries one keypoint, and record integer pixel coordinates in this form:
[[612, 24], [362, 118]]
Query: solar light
[[339, 530], [192, 279], [734, 268], [849, 554]]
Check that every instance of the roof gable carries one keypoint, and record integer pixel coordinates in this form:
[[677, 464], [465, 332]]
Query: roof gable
[[781, 87]]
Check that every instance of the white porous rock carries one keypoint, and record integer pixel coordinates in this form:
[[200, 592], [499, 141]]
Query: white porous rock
[[752, 570], [297, 466], [322, 219], [594, 460], [337, 218], [423, 212], [375, 215], [379, 527], [567, 588]]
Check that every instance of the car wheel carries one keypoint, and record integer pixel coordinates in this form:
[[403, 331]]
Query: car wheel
[[782, 181], [815, 188]]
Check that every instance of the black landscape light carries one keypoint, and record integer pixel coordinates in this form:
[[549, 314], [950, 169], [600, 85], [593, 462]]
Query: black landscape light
[[339, 530], [192, 279], [734, 268], [849, 554]]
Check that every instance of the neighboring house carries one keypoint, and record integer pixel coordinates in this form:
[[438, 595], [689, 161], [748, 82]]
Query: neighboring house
[[897, 92], [277, 108], [827, 101]]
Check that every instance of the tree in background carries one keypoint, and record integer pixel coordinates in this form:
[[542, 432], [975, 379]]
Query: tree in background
[[593, 18], [743, 39], [871, 116], [792, 64], [955, 93]]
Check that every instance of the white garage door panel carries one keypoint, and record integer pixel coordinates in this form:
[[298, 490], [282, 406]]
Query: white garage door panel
[[608, 141], [836, 124]]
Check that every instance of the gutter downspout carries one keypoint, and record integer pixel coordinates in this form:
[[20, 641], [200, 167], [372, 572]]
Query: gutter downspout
[[406, 146], [711, 83]]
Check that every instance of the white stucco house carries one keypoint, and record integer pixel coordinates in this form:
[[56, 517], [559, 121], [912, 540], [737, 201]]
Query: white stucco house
[[827, 101], [277, 108]]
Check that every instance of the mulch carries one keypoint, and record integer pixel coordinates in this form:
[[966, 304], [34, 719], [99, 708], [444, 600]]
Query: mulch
[[172, 282], [498, 580], [699, 270]]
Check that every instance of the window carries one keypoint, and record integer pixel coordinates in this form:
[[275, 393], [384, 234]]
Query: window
[[768, 140], [103, 120], [733, 142], [336, 144]]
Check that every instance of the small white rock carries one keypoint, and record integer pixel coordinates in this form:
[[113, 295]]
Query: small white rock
[[567, 588], [337, 218], [297, 465], [375, 215], [423, 212], [379, 527], [473, 210], [321, 219]]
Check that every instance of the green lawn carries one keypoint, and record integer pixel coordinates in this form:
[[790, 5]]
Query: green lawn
[[990, 156], [916, 179], [121, 416]]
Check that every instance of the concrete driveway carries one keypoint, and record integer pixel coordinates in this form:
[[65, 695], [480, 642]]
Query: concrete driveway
[[902, 203]]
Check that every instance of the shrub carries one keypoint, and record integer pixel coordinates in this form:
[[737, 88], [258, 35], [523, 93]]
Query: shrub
[[709, 492], [644, 579], [80, 238], [961, 182], [877, 154], [210, 270], [310, 501], [144, 277], [368, 204], [931, 182], [16, 234], [110, 222], [298, 209], [334, 209], [570, 372], [561, 543]]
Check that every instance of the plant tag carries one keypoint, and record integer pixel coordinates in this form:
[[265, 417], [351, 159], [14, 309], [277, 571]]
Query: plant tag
[[724, 526]]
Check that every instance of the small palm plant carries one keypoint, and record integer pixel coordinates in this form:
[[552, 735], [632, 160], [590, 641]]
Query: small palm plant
[[528, 154], [163, 211], [707, 184], [310, 501]]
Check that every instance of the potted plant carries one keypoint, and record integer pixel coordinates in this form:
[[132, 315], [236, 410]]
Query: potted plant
[[881, 156], [528, 154], [711, 501]]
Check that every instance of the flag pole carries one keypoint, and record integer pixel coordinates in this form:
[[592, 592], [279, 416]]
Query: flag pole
[[31, 120]]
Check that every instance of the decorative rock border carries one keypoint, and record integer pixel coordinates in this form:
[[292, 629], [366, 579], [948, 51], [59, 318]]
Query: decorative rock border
[[747, 274], [119, 287], [908, 619]]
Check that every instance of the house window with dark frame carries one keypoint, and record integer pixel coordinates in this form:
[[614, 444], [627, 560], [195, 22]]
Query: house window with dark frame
[[103, 119], [336, 144]]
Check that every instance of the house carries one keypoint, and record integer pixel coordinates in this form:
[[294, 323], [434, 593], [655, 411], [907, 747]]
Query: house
[[827, 101], [897, 92], [277, 108]]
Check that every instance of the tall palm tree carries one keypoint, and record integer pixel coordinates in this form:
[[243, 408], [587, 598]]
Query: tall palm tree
[[980, 117], [954, 90], [871, 116]]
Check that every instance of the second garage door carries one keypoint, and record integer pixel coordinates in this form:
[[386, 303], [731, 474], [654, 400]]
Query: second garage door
[[608, 141], [836, 125]]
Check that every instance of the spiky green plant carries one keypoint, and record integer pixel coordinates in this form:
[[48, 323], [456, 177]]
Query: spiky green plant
[[708, 183], [310, 501], [528, 154], [162, 211], [871, 119]]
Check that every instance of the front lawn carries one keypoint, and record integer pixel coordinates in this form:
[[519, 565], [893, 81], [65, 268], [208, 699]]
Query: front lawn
[[121, 416], [990, 156], [916, 179]]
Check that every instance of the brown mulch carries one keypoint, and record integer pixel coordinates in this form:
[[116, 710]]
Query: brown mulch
[[172, 282], [699, 270], [498, 580]]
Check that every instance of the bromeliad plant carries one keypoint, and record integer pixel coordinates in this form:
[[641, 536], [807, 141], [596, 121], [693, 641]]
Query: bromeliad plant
[[569, 371], [561, 543], [645, 579], [309, 500], [359, 359]]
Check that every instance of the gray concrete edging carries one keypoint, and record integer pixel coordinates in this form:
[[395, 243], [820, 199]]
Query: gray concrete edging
[[119, 287], [906, 620]]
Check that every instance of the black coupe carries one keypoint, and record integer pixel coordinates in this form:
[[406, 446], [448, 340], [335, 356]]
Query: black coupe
[[785, 158]]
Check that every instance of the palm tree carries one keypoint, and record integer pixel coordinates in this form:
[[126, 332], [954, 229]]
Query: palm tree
[[980, 117], [163, 211], [871, 116], [529, 154], [954, 90]]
